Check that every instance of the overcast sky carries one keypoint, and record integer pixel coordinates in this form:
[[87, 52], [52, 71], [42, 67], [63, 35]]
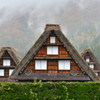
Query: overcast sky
[[16, 3]]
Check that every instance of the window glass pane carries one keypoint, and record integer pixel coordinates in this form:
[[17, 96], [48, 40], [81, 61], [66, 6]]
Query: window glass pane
[[52, 39], [49, 50], [87, 59], [37, 64], [91, 65], [43, 64], [40, 64], [67, 64], [6, 62], [10, 71], [64, 64], [96, 74], [61, 64], [55, 49], [1, 72]]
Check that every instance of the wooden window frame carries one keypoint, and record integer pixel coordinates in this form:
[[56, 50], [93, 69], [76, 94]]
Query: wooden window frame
[[11, 72], [3, 72], [52, 50], [87, 59], [51, 39], [64, 65], [40, 66], [5, 61]]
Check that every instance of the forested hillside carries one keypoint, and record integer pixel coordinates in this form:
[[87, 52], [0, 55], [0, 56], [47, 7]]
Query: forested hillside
[[79, 20]]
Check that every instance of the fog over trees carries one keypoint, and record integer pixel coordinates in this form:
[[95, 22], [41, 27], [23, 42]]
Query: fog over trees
[[23, 21]]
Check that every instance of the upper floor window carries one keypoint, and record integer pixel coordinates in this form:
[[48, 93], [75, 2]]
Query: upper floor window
[[64, 64], [87, 59], [1, 72], [10, 71], [52, 39], [40, 64], [96, 73], [52, 50], [6, 62], [91, 65]]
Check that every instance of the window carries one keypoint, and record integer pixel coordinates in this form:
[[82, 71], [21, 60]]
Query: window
[[87, 59], [6, 62], [91, 65], [52, 39], [64, 64], [1, 72], [52, 50], [40, 64], [96, 73], [10, 71]]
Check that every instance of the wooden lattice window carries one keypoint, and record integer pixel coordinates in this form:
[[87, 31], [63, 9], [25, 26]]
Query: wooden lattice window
[[52, 39], [6, 62], [53, 50], [40, 64], [1, 72], [10, 71], [64, 64]]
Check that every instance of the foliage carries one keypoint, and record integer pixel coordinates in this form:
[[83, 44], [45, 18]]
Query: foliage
[[50, 91]]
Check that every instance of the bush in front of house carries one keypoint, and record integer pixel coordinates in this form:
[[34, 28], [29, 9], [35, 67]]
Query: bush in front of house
[[50, 91]]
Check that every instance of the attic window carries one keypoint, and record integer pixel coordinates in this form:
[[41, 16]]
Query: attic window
[[87, 59], [52, 39], [1, 72], [52, 50], [6, 62], [91, 65], [10, 71], [40, 64], [96, 73], [64, 64]]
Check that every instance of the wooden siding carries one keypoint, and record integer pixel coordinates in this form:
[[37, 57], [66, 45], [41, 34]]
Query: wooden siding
[[6, 73], [52, 67], [91, 60], [61, 52], [52, 35], [6, 55], [6, 70]]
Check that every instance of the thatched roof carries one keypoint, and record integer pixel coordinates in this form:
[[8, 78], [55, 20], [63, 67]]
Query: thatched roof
[[12, 52], [17, 73], [84, 53]]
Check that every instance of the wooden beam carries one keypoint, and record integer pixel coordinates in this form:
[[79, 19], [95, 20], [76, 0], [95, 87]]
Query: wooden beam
[[53, 76], [4, 67], [53, 58], [49, 44]]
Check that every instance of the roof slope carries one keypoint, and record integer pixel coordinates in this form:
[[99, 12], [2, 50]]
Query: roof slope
[[85, 51], [12, 52], [72, 51]]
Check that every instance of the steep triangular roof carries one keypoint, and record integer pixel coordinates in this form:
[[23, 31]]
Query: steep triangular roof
[[72, 51], [85, 51], [12, 52]]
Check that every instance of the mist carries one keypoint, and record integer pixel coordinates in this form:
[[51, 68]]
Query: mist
[[23, 21]]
